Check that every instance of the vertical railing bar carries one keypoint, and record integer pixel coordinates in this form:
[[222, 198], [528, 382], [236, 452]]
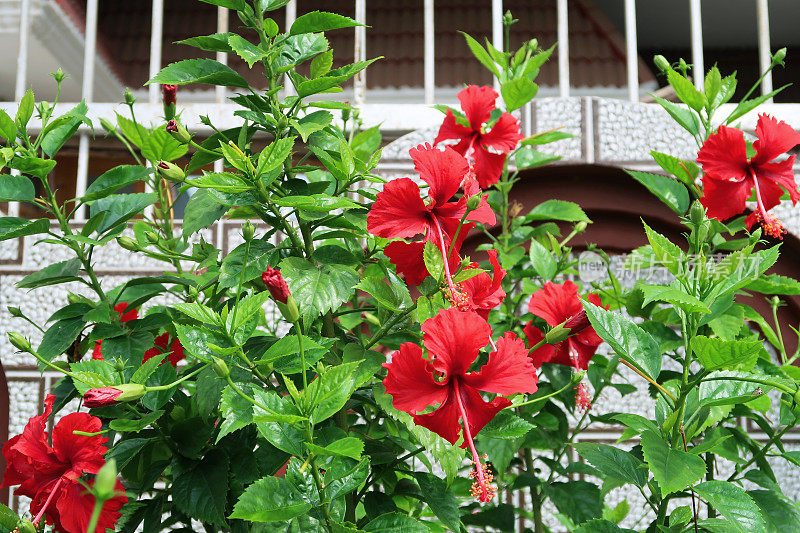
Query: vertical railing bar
[[291, 15], [696, 22], [429, 54], [762, 12], [87, 91], [156, 37], [497, 30], [22, 72], [632, 50], [563, 49], [222, 57], [360, 53]]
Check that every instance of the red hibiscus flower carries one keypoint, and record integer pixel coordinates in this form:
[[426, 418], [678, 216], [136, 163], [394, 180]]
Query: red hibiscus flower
[[124, 316], [729, 177], [478, 104], [555, 303], [163, 346], [482, 293], [453, 340], [399, 212], [49, 474]]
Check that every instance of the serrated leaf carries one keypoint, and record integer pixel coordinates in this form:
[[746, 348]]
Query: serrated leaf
[[440, 499], [506, 425], [317, 202], [726, 387], [481, 54], [676, 297], [556, 210], [673, 469], [733, 503], [685, 118], [200, 488], [61, 272], [119, 207], [686, 91], [199, 71], [318, 288], [274, 154], [718, 354], [270, 499], [321, 21], [775, 284], [250, 53], [671, 192], [331, 390], [311, 122], [614, 462], [201, 211], [542, 260], [518, 92], [115, 179], [16, 188], [346, 447]]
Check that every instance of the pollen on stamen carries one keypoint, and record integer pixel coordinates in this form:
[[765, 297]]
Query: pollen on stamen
[[582, 401], [482, 488], [771, 225], [456, 297]]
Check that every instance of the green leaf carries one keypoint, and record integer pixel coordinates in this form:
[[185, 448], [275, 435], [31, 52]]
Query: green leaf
[[25, 110], [262, 254], [333, 79], [16, 188], [321, 64], [144, 372], [686, 91], [249, 52], [718, 354], [578, 500], [546, 137], [318, 289], [320, 21], [284, 355], [389, 295], [556, 210], [270, 499], [518, 92], [676, 297], [506, 425], [202, 210], [216, 42], [134, 425], [668, 254], [601, 525], [330, 391], [628, 340], [481, 54], [62, 129], [778, 512], [685, 118], [8, 519], [60, 336], [714, 391], [343, 477], [311, 122], [33, 166], [671, 192], [529, 157], [542, 260], [8, 130], [119, 207], [775, 284], [346, 447], [200, 488], [746, 106], [440, 499], [199, 71], [54, 274], [280, 434], [733, 503], [236, 412], [160, 145], [115, 179], [274, 154], [221, 181], [317, 202], [614, 462], [673, 469]]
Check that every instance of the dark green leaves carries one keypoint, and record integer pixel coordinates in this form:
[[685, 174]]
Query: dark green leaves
[[199, 71], [672, 192], [733, 503], [202, 210], [673, 469], [200, 487], [614, 462], [16, 188], [115, 179], [318, 289], [556, 210], [317, 21], [119, 207], [60, 272], [718, 354], [270, 499]]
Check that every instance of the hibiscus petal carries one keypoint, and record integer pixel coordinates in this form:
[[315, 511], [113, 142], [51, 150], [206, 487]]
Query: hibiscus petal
[[546, 353], [724, 155], [781, 173], [774, 138], [504, 135], [556, 302], [478, 104], [724, 199], [508, 371], [398, 211], [410, 380], [454, 339], [84, 454], [443, 170], [75, 506], [488, 166], [584, 352], [484, 291], [450, 129], [443, 421], [407, 258], [479, 412]]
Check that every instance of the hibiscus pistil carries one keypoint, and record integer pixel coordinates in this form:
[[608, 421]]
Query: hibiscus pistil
[[482, 489], [768, 221]]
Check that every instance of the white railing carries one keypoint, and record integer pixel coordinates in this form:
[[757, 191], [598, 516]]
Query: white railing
[[393, 116]]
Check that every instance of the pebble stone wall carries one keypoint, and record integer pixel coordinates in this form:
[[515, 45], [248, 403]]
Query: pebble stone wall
[[608, 132]]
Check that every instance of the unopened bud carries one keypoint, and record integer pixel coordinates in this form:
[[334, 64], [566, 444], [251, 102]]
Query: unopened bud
[[508, 19], [372, 319], [779, 56], [473, 202], [151, 236], [129, 98], [101, 397], [19, 342], [170, 94], [697, 213], [16, 312], [289, 309], [171, 172], [106, 481], [59, 75], [556, 334], [248, 231], [192, 292], [276, 285], [581, 226], [577, 323], [220, 367], [108, 125], [119, 365], [127, 243], [662, 63], [178, 131], [346, 112]]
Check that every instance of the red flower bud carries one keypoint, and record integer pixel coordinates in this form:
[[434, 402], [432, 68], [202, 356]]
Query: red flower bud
[[172, 126], [170, 94], [276, 285], [104, 396], [577, 323]]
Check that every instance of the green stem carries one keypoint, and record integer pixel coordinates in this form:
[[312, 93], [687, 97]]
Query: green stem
[[576, 378], [299, 333], [178, 381], [98, 508], [388, 325]]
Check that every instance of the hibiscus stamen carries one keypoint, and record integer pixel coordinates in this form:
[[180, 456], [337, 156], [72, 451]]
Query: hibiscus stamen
[[47, 503], [582, 401], [482, 489], [450, 284], [769, 222]]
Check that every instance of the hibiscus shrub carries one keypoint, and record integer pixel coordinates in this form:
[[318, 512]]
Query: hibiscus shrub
[[348, 367]]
